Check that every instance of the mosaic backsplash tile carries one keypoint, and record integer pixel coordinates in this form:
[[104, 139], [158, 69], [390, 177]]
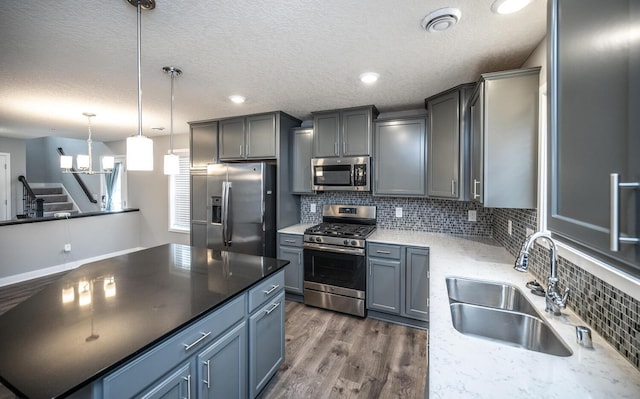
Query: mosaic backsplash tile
[[609, 311], [418, 214]]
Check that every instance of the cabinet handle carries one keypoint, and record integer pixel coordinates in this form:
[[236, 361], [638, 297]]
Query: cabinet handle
[[614, 206], [290, 241], [383, 252], [273, 288], [299, 258], [241, 149], [453, 187], [188, 379], [274, 307], [475, 188], [204, 335], [335, 148], [208, 380], [247, 150], [344, 147]]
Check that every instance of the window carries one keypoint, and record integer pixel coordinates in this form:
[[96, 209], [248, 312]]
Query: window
[[179, 209], [119, 193]]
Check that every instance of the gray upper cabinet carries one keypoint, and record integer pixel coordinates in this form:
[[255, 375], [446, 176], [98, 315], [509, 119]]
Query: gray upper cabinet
[[345, 132], [504, 139], [400, 157], [448, 143], [595, 129], [301, 154], [250, 137], [203, 143]]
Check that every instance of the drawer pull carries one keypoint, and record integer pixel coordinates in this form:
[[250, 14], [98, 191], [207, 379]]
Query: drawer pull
[[383, 252], [274, 307], [208, 380], [204, 335], [290, 241], [273, 288]]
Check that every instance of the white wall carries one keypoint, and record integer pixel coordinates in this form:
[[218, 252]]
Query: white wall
[[17, 150]]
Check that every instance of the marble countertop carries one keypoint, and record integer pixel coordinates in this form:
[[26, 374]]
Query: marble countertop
[[461, 366], [296, 228], [60, 339]]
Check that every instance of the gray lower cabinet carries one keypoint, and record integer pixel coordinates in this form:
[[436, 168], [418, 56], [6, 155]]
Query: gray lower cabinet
[[343, 132], [290, 248], [595, 130], [178, 385], [266, 343], [448, 143], [300, 157], [222, 367], [398, 280], [504, 139], [400, 157], [203, 144]]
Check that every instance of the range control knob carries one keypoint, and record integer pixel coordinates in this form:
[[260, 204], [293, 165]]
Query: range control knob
[[346, 242], [354, 242], [318, 239]]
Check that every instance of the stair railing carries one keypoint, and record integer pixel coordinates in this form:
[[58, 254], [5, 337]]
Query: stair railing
[[80, 182], [32, 206]]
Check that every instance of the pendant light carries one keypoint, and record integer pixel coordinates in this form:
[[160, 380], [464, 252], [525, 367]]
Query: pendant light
[[84, 162], [139, 147], [171, 160]]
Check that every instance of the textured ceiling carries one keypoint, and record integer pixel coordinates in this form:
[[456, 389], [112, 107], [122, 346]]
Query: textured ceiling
[[60, 59]]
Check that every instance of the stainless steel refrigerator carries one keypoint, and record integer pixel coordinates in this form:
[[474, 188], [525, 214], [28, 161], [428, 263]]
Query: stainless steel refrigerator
[[241, 210]]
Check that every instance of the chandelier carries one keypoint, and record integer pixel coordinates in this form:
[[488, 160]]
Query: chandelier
[[84, 162]]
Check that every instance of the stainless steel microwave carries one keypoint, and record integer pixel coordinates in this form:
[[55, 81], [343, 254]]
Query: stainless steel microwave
[[341, 174]]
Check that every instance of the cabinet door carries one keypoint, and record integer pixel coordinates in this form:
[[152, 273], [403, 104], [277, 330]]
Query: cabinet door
[[231, 139], [302, 150], [356, 133], [204, 144], [477, 126], [383, 285], [177, 385], [261, 136], [444, 146], [222, 367], [198, 234], [266, 343], [326, 134], [293, 272], [400, 158], [416, 283], [595, 125], [199, 197]]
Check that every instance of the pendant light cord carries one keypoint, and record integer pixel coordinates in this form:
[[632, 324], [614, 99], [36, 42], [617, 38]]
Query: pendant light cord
[[139, 72], [171, 133]]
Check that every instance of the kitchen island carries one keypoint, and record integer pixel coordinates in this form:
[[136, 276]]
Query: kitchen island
[[133, 324]]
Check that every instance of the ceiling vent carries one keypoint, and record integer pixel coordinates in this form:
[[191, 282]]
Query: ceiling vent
[[441, 19]]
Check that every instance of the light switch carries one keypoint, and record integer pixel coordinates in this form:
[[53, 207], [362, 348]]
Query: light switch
[[399, 212]]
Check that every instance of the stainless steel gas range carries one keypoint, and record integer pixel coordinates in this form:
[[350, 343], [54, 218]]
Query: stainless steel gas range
[[335, 258]]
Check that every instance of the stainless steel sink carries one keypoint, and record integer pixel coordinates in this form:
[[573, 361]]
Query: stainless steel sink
[[500, 312], [487, 293], [508, 327]]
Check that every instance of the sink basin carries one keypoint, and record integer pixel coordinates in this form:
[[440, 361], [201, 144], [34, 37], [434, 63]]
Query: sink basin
[[507, 327], [488, 293]]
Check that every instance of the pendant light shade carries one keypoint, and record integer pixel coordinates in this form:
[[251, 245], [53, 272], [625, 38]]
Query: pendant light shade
[[139, 147], [171, 164]]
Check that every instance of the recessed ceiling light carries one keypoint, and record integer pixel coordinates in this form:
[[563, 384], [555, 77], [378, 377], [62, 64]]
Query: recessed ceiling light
[[509, 6], [369, 77], [237, 99], [441, 19]]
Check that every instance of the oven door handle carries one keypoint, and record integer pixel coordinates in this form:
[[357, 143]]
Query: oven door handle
[[330, 248]]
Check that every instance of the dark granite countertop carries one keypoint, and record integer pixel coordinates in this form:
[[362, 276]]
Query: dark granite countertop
[[76, 216], [53, 344]]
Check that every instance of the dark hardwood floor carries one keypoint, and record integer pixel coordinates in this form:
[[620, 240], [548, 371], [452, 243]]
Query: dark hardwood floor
[[328, 354]]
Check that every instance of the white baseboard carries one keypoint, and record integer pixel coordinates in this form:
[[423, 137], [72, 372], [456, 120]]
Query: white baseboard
[[18, 278]]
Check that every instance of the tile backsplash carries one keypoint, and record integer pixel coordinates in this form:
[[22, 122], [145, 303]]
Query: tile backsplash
[[418, 214], [612, 313]]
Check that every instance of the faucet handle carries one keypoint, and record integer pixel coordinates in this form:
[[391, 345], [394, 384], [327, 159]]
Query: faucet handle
[[565, 296]]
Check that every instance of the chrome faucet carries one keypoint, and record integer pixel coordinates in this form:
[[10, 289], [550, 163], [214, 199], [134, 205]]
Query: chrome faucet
[[554, 300]]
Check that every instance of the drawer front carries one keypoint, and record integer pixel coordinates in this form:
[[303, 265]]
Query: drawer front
[[384, 251], [292, 240], [266, 290], [147, 368]]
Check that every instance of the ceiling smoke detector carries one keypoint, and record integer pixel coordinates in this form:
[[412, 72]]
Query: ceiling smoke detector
[[441, 19]]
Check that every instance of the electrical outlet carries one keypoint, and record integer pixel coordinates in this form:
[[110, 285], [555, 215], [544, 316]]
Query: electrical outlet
[[399, 212], [67, 247], [473, 216], [313, 208], [510, 227]]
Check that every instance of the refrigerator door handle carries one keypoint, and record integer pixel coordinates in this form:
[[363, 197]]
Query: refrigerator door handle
[[229, 216], [225, 204]]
